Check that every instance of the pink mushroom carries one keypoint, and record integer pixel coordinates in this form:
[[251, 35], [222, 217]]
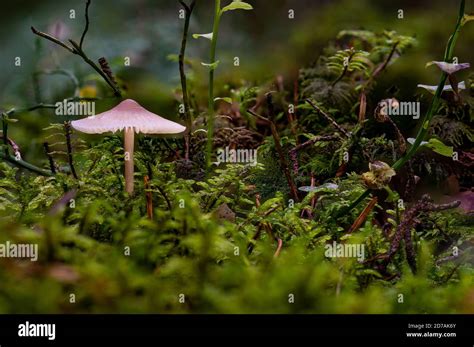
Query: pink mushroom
[[132, 118]]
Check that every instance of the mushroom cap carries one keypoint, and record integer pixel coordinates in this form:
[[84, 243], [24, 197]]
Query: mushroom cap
[[127, 114]]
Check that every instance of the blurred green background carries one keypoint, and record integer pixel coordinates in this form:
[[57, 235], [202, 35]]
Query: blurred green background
[[267, 42]]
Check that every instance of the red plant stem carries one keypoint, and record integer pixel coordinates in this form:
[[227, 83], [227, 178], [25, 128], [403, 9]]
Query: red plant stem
[[149, 200], [363, 216], [280, 245]]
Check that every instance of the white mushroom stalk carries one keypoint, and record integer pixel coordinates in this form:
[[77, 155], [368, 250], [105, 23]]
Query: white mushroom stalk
[[130, 117]]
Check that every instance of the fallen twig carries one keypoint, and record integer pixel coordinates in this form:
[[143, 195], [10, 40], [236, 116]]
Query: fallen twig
[[329, 119], [363, 216], [67, 134], [187, 109], [283, 162], [50, 157]]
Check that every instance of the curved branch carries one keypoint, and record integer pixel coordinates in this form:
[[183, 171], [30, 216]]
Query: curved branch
[[87, 23]]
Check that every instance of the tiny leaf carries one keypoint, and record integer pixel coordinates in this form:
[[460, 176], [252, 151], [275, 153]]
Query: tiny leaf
[[436, 146], [211, 66], [439, 147], [228, 100], [237, 5], [10, 120], [467, 18], [411, 141], [205, 36], [326, 187]]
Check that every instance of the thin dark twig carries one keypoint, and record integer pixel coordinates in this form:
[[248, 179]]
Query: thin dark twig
[[255, 237], [451, 273], [5, 133], [87, 23], [313, 141], [68, 132], [53, 39], [31, 108], [279, 149], [81, 53], [329, 119], [43, 105], [184, 88], [77, 49], [382, 67], [186, 7], [293, 154], [25, 165], [168, 202], [94, 163], [50, 157]]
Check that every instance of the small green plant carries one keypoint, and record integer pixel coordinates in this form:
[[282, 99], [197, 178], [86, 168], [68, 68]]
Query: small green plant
[[434, 105], [348, 61], [212, 66]]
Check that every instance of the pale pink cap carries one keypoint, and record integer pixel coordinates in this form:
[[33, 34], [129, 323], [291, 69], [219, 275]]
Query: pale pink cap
[[127, 114]]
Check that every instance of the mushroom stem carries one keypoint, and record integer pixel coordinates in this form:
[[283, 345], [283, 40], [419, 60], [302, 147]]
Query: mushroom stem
[[129, 137]]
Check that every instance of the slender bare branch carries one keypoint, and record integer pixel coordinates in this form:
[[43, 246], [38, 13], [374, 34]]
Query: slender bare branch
[[328, 118], [86, 28], [77, 49], [279, 149], [187, 109], [52, 39]]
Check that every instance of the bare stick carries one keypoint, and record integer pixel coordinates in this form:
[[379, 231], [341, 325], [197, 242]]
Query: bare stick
[[50, 158], [87, 23], [283, 162], [294, 151], [167, 200], [188, 9], [363, 216], [52, 39], [328, 118], [67, 132], [77, 49]]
